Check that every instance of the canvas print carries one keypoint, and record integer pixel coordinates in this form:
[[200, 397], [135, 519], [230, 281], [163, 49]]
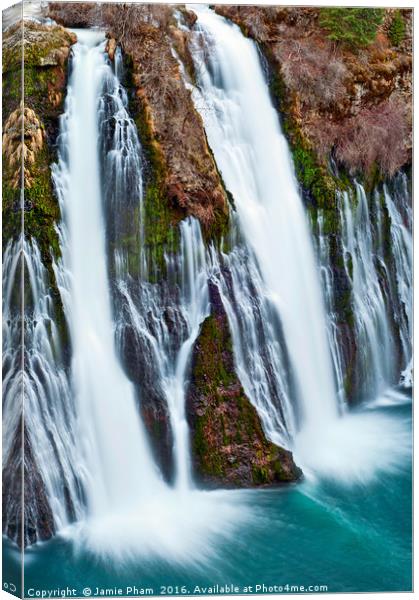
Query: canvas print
[[207, 299]]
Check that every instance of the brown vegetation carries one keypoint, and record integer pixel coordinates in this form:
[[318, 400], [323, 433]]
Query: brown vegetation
[[355, 104], [22, 140]]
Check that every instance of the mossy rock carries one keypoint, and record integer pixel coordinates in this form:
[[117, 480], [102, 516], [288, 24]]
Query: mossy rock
[[314, 177], [44, 45], [228, 444]]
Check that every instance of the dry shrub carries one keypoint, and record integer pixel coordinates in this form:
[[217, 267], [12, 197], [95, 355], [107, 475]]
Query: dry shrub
[[380, 135], [313, 71], [76, 14], [127, 22]]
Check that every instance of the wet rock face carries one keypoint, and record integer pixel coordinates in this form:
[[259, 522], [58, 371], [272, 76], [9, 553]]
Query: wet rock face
[[227, 441], [137, 355]]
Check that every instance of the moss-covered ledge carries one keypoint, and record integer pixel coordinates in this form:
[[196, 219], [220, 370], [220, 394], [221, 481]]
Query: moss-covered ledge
[[228, 444], [36, 108]]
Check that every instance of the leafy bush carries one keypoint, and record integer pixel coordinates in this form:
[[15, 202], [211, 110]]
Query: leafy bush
[[355, 27], [396, 31]]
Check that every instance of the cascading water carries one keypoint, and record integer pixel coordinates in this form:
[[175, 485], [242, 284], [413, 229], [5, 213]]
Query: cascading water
[[400, 213], [251, 152], [165, 316], [259, 349], [166, 320], [377, 252], [327, 278], [43, 390], [130, 510], [372, 322], [119, 469], [134, 307]]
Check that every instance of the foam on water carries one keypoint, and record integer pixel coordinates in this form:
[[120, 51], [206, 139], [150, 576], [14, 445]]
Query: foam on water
[[188, 528], [357, 448]]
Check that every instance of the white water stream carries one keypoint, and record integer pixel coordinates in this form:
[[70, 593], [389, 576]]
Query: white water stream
[[119, 467], [244, 132], [253, 156], [130, 510]]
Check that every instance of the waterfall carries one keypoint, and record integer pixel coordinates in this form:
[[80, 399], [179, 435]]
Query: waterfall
[[119, 470], [165, 315], [43, 390], [374, 334], [377, 253], [108, 296], [133, 323], [329, 286], [295, 282], [259, 347], [166, 319], [400, 213], [252, 154]]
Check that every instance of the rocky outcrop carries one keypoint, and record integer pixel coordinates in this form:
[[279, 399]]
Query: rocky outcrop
[[34, 118], [229, 446], [38, 521]]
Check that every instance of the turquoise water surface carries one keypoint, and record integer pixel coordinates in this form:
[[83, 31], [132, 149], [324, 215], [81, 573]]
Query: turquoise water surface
[[350, 537]]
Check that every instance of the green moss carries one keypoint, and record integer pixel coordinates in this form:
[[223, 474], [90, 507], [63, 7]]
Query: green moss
[[397, 29], [12, 91], [354, 27], [260, 474], [12, 216], [224, 420], [313, 176], [160, 231], [38, 45], [43, 211], [160, 220]]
